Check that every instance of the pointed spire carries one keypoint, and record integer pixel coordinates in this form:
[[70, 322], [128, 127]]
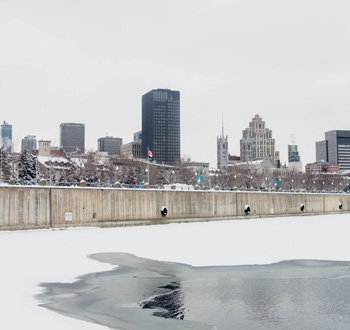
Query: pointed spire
[[222, 123]]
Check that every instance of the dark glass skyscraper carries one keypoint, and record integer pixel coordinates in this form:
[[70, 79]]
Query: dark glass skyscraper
[[72, 137], [161, 125], [335, 149]]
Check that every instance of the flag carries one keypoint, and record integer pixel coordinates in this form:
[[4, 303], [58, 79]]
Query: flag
[[150, 153]]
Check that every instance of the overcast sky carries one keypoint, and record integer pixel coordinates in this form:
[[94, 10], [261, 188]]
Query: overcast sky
[[91, 61]]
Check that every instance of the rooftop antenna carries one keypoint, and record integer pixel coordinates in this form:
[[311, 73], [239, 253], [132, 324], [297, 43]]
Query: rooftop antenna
[[222, 123], [293, 139]]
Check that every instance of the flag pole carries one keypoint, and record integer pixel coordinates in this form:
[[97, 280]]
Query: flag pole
[[148, 165]]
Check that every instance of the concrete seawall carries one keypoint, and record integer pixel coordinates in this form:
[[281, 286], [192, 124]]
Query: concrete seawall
[[23, 207]]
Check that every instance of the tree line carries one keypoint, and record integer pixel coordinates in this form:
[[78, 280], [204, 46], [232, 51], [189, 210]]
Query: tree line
[[27, 169]]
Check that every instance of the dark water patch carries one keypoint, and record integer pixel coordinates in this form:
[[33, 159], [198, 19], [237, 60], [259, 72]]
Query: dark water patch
[[171, 304], [148, 294]]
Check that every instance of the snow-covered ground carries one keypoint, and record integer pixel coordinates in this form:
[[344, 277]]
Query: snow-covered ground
[[30, 257]]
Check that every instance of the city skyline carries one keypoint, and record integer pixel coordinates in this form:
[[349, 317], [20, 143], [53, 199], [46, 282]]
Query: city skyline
[[95, 149], [286, 61]]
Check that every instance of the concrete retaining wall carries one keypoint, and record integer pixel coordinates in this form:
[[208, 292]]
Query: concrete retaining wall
[[45, 207]]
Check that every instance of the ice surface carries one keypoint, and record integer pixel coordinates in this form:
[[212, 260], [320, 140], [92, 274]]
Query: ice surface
[[28, 258]]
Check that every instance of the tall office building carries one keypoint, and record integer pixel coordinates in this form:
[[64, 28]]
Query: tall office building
[[293, 153], [29, 143], [257, 142], [72, 137], [335, 149], [161, 125], [294, 162], [222, 150], [6, 137], [109, 144]]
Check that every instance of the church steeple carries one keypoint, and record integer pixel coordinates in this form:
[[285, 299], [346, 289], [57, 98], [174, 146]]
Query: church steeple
[[222, 148]]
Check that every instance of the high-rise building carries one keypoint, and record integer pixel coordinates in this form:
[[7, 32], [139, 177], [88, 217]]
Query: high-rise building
[[293, 153], [109, 144], [29, 143], [6, 137], [222, 150], [294, 162], [335, 149], [72, 137], [161, 125], [257, 142]]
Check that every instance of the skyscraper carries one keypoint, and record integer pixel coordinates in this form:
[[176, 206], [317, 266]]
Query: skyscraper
[[161, 125], [335, 149], [72, 137], [6, 137], [257, 142], [110, 144], [222, 150], [293, 153], [29, 143], [294, 158]]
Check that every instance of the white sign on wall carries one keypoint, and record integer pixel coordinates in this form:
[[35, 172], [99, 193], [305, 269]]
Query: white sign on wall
[[68, 216]]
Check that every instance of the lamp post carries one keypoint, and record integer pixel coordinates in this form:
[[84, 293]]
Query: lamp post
[[172, 176], [235, 177], [147, 175], [292, 184]]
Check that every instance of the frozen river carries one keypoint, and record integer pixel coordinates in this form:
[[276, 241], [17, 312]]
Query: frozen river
[[148, 294], [33, 257]]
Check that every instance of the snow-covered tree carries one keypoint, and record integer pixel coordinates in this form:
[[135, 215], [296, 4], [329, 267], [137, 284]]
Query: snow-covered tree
[[27, 167], [139, 173], [164, 176], [90, 169], [186, 175], [5, 166]]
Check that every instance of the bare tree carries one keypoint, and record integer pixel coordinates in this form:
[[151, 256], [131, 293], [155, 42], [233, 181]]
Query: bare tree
[[246, 177], [164, 176], [186, 175]]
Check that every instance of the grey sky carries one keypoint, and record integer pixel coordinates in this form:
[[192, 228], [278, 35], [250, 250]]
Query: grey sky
[[91, 61]]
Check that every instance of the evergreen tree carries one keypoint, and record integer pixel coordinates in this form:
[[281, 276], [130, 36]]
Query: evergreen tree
[[27, 167], [5, 165]]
